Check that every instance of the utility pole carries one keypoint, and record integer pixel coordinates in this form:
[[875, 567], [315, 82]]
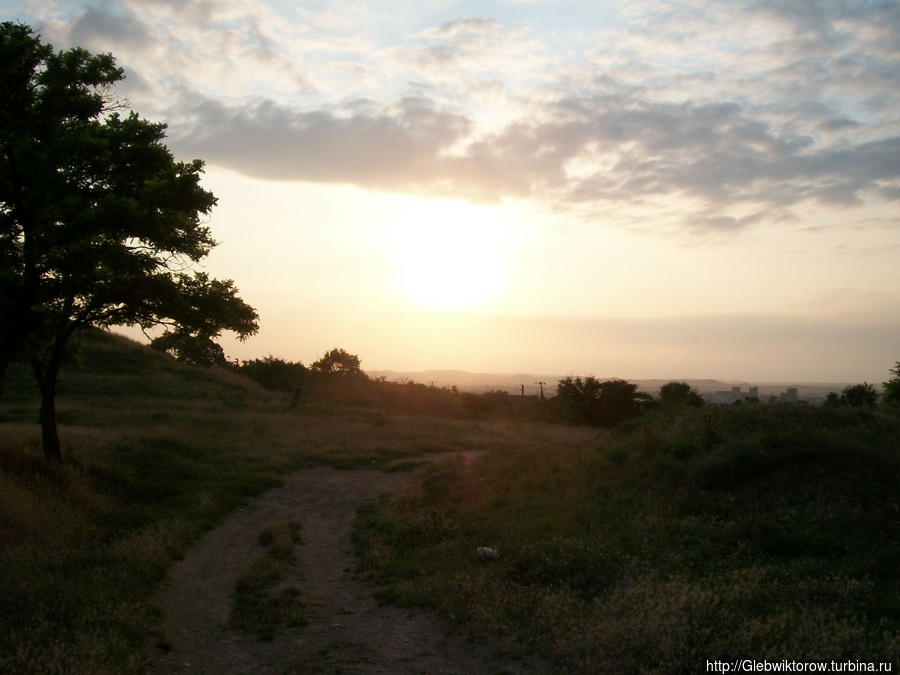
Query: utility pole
[[523, 390], [541, 383]]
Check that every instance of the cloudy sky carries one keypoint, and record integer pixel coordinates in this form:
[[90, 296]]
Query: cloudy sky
[[635, 189]]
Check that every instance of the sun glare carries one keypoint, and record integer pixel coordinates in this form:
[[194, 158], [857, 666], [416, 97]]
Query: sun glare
[[449, 256]]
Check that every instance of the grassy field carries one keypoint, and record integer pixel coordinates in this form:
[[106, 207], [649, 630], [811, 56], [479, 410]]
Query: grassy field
[[693, 535], [154, 454]]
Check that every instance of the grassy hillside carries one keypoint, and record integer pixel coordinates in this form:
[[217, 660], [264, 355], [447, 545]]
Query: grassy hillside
[[718, 533], [721, 533], [154, 453]]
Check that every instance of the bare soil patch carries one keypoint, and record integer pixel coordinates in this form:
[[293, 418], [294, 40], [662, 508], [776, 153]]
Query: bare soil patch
[[346, 630]]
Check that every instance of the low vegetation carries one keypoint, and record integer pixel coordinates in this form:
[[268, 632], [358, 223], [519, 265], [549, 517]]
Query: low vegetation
[[154, 453], [693, 534], [337, 377], [264, 598], [686, 533]]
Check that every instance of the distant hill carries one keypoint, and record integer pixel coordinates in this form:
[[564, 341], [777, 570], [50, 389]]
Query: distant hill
[[481, 382], [474, 382]]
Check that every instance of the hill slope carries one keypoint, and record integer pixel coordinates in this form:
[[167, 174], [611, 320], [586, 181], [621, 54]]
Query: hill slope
[[155, 453], [481, 382]]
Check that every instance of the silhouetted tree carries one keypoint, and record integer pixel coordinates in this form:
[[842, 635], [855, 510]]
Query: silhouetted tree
[[680, 393], [275, 374], [579, 397], [860, 396], [200, 351], [601, 403], [833, 400], [892, 387], [98, 224], [621, 400], [196, 311], [339, 363]]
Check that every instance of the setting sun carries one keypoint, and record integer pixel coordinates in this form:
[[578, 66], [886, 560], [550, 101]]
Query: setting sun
[[448, 256]]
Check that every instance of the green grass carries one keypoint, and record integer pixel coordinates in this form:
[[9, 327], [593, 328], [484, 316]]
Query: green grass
[[264, 601], [155, 453], [752, 532]]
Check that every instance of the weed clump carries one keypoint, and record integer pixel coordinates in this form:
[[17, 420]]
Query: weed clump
[[264, 601]]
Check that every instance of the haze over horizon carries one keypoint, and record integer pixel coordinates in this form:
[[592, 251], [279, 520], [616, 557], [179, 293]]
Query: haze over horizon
[[642, 189]]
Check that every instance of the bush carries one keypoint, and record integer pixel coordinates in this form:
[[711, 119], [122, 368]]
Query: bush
[[860, 395], [680, 393], [275, 374], [604, 404]]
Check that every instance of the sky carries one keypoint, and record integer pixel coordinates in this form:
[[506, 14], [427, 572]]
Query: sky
[[633, 189]]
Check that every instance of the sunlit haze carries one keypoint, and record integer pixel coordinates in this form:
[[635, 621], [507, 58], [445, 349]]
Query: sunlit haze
[[644, 189]]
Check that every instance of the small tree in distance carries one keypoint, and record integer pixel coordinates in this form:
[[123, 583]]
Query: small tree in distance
[[274, 373], [860, 396], [605, 403], [680, 393], [338, 362], [833, 400]]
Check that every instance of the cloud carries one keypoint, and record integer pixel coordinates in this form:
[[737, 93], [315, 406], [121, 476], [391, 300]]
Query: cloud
[[474, 25], [200, 11], [715, 153], [468, 51], [135, 84], [839, 124], [393, 148], [727, 152], [107, 28], [735, 116]]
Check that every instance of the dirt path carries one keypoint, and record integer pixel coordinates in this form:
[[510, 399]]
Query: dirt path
[[347, 631]]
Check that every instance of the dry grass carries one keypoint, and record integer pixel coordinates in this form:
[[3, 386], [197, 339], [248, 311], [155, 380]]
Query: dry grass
[[752, 533], [155, 453], [264, 598], [722, 534]]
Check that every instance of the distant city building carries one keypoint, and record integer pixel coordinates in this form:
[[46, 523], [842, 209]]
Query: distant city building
[[735, 394], [790, 396]]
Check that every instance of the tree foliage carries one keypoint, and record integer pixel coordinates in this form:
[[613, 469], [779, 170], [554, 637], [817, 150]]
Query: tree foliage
[[276, 374], [853, 396], [680, 393], [99, 225], [859, 396], [338, 363], [606, 403], [832, 400], [892, 387]]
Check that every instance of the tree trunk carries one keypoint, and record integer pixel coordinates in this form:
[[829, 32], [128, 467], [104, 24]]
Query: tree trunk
[[4, 364], [8, 344], [47, 377], [49, 433]]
